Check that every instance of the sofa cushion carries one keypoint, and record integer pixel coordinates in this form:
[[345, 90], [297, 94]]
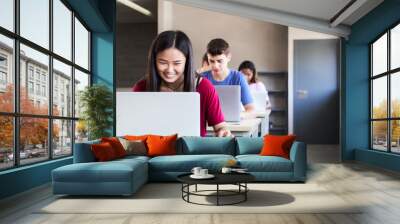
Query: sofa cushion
[[159, 145], [116, 145], [248, 145], [132, 158], [185, 163], [103, 152], [136, 147], [257, 163], [112, 171], [83, 153], [277, 145], [136, 137], [207, 145]]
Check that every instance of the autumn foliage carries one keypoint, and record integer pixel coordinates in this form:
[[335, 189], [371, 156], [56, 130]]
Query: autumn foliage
[[380, 127], [33, 131]]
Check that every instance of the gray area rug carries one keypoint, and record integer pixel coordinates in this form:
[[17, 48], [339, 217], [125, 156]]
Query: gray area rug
[[166, 198]]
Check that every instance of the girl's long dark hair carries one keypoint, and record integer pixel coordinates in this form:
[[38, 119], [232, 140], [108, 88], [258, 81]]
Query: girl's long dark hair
[[170, 39], [250, 65]]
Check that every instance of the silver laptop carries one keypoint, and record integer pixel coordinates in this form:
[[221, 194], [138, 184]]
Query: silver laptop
[[159, 113], [229, 98], [260, 100]]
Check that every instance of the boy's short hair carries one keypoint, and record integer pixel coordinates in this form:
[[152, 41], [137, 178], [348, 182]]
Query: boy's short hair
[[218, 46]]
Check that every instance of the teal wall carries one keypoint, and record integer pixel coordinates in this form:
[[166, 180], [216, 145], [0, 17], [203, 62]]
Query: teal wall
[[99, 15], [356, 82], [24, 178], [103, 52]]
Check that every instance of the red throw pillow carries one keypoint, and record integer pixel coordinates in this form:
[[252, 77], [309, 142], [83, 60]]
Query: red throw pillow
[[103, 152], [277, 145], [161, 145], [116, 145]]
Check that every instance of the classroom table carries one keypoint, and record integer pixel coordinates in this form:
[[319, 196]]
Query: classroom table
[[252, 127], [246, 127]]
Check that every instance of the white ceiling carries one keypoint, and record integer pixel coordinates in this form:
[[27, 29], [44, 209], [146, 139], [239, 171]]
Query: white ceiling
[[314, 15], [321, 9], [128, 15], [318, 9]]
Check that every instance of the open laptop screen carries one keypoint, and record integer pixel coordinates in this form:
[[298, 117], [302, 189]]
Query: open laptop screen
[[159, 113], [229, 98]]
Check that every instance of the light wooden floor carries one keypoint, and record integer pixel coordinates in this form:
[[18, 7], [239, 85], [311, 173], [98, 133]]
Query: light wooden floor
[[379, 189]]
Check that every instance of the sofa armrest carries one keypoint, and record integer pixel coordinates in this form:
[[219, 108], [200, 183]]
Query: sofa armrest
[[83, 152], [298, 155]]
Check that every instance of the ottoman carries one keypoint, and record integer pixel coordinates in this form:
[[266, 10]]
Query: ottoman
[[118, 177]]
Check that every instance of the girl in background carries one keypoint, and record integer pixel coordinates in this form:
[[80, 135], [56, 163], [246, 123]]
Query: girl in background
[[249, 71]]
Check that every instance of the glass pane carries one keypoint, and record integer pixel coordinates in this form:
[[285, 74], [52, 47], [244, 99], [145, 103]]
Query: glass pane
[[6, 74], [7, 14], [34, 17], [395, 47], [62, 138], [379, 135], [379, 97], [33, 139], [62, 89], [81, 45], [81, 131], [379, 55], [81, 81], [395, 136], [6, 142], [395, 94], [34, 82], [62, 29]]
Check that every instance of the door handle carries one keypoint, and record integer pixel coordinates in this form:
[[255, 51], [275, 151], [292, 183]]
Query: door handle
[[302, 93]]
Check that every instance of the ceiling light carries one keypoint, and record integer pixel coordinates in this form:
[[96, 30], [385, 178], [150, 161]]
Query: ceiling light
[[135, 6]]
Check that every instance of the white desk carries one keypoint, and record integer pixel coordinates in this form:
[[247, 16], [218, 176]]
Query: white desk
[[264, 126], [246, 127]]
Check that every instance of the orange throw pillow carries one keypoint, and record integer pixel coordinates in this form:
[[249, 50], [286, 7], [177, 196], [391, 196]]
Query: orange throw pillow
[[116, 145], [161, 145], [103, 151], [277, 145]]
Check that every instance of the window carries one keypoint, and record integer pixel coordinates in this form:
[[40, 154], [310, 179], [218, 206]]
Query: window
[[7, 14], [81, 45], [30, 73], [3, 72], [38, 89], [385, 92], [62, 31], [81, 81], [37, 74], [3, 61], [43, 90], [6, 73], [30, 87], [62, 75], [43, 77], [55, 126], [34, 21], [3, 78]]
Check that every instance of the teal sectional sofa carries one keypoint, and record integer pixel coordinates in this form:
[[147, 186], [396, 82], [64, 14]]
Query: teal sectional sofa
[[125, 176]]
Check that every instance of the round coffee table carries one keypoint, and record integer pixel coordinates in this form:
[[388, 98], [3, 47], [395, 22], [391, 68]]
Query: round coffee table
[[238, 179]]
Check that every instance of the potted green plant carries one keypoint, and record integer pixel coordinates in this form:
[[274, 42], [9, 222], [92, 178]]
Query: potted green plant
[[96, 102]]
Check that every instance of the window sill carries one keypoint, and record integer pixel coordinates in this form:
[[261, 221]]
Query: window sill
[[26, 167]]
